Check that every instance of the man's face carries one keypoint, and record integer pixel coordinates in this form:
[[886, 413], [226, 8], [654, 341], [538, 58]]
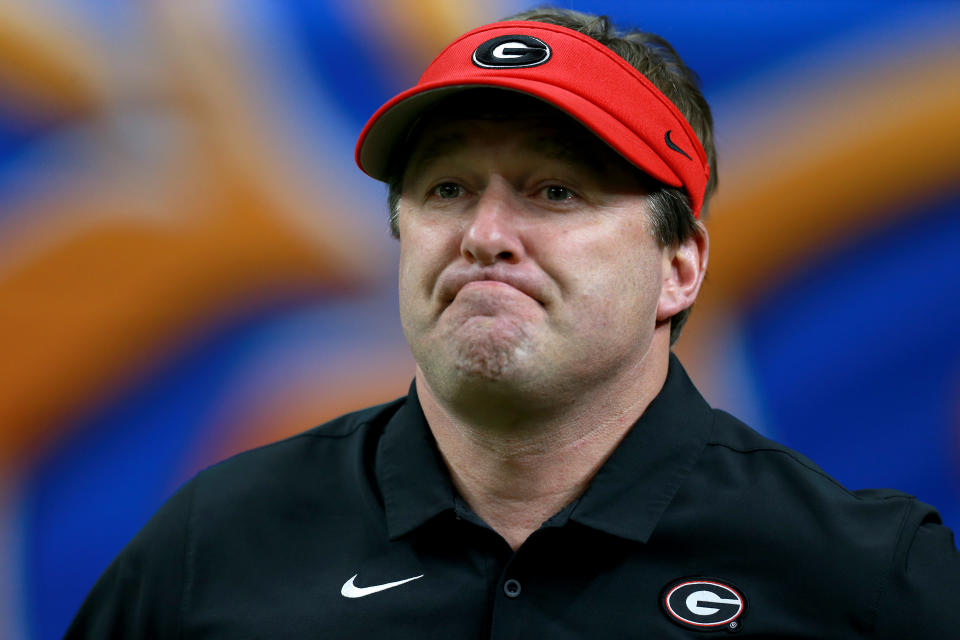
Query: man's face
[[527, 264]]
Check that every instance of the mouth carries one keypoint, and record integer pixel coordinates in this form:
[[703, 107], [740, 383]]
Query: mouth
[[486, 284], [456, 284]]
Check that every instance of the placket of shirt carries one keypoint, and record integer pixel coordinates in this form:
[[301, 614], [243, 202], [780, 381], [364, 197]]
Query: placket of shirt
[[517, 595], [494, 560], [523, 602]]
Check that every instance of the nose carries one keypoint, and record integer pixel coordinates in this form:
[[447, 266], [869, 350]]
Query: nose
[[492, 234]]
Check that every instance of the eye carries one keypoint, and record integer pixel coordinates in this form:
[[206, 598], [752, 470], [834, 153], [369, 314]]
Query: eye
[[447, 190], [558, 193]]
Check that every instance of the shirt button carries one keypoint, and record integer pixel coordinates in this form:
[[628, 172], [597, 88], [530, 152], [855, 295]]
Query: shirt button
[[511, 588]]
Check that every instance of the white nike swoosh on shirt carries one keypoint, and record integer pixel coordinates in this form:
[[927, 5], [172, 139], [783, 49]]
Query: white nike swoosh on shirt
[[350, 590]]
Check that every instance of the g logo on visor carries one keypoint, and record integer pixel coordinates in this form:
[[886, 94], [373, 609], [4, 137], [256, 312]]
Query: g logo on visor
[[508, 52]]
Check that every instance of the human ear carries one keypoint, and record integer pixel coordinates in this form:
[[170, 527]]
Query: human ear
[[683, 268]]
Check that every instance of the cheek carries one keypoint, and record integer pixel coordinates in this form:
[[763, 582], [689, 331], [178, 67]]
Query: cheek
[[413, 298], [412, 284], [425, 238], [622, 259], [423, 256], [616, 286]]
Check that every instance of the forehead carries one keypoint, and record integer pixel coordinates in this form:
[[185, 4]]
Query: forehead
[[517, 120], [461, 137]]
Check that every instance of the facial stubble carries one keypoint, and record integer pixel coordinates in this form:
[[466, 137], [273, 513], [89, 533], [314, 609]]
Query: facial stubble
[[486, 349]]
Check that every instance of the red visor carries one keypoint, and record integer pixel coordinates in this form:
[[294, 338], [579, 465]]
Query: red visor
[[567, 69]]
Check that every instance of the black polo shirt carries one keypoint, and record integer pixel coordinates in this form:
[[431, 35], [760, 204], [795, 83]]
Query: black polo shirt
[[695, 524]]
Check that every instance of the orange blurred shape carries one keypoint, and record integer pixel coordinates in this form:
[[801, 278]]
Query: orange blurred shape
[[47, 64], [153, 237], [81, 317]]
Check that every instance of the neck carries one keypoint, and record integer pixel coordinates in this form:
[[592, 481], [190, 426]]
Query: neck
[[517, 469]]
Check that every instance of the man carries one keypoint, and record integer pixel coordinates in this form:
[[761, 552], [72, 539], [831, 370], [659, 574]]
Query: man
[[553, 473]]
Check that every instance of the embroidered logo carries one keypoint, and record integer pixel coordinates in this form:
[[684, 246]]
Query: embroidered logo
[[350, 590], [673, 145], [704, 604], [505, 52]]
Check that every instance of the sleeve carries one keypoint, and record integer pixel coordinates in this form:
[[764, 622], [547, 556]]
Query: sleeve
[[142, 592], [922, 599]]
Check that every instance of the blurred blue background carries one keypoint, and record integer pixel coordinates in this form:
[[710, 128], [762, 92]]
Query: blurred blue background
[[191, 264]]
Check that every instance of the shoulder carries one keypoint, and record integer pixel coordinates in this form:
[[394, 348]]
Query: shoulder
[[335, 434], [322, 455], [319, 468], [794, 496], [227, 516], [321, 475], [753, 454], [882, 549]]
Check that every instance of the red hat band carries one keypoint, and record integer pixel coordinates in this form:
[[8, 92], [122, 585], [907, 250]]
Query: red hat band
[[572, 72]]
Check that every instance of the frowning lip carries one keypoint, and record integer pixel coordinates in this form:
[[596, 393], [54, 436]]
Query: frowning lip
[[452, 283], [477, 284]]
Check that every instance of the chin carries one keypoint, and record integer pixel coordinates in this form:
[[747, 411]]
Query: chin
[[486, 349], [487, 360]]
